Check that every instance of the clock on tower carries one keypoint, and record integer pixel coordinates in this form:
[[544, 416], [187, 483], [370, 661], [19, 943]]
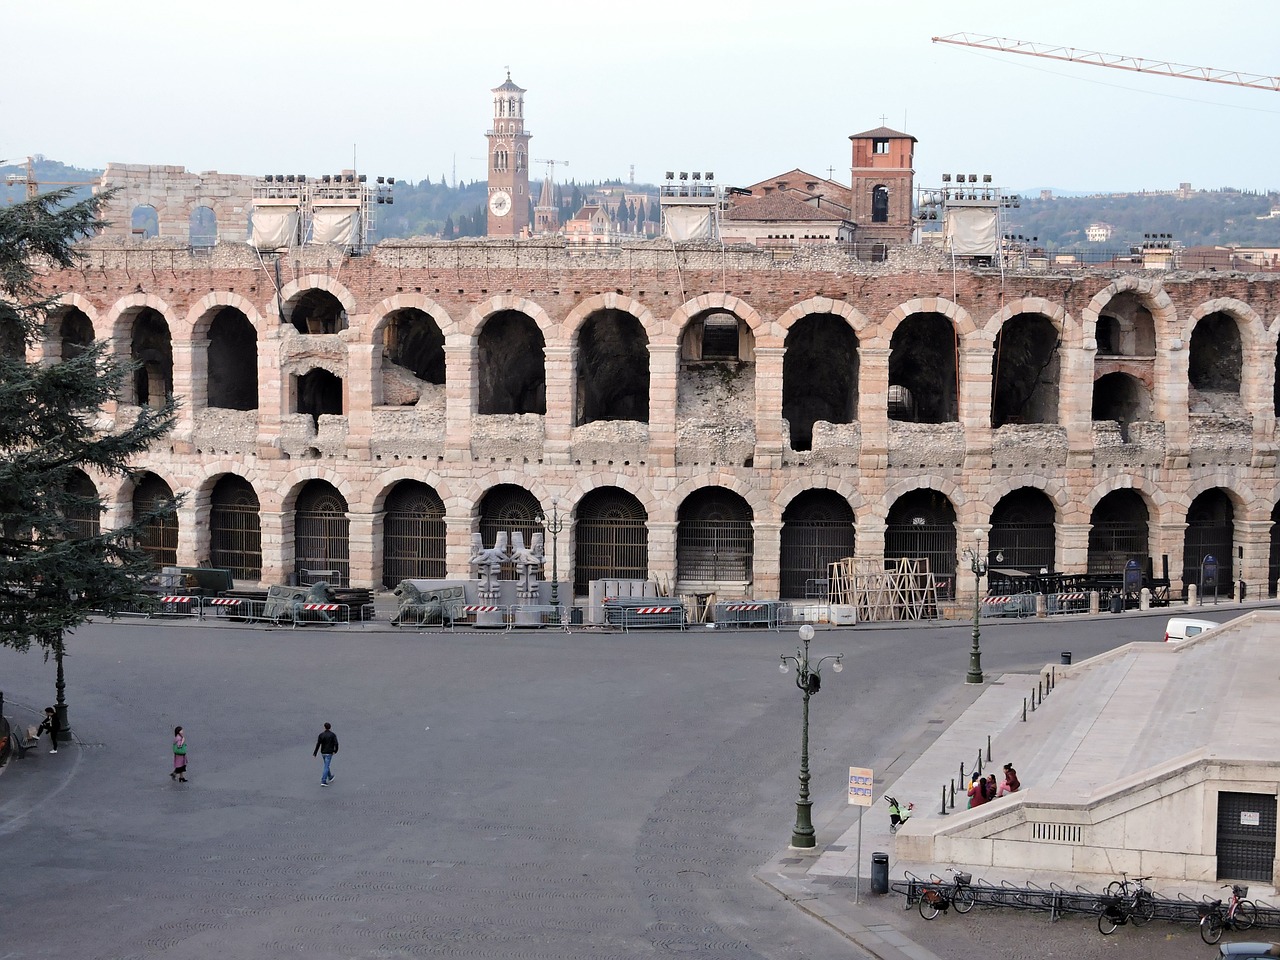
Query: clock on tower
[[508, 163]]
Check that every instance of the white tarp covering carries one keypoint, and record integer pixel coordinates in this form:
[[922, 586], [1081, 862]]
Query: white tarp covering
[[335, 225], [274, 227], [971, 231], [688, 222]]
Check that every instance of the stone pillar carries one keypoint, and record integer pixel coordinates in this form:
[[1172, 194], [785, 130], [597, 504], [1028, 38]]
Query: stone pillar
[[273, 400], [662, 551], [770, 442], [277, 546], [873, 409], [360, 388], [1170, 403], [976, 353], [193, 532], [461, 394], [1169, 538], [1254, 537], [364, 549], [1071, 553], [183, 386], [558, 423], [1075, 402], [457, 547], [664, 376], [766, 558]]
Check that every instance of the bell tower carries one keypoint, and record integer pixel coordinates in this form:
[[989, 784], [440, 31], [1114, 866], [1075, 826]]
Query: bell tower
[[882, 185], [508, 163]]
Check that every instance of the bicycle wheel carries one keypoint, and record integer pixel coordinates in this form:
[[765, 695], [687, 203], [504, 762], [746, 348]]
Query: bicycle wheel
[[963, 899], [1246, 916], [1144, 908], [1116, 888], [928, 906], [1106, 922], [1211, 928]]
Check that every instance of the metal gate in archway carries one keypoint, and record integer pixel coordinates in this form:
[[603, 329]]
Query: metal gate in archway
[[1246, 836], [235, 528], [1210, 533], [1273, 574], [159, 535], [413, 534], [715, 542], [922, 525], [508, 508], [82, 518], [817, 530], [322, 532], [611, 539]]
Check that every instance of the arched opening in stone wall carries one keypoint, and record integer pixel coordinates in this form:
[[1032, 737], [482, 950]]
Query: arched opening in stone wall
[[716, 390], [819, 375], [321, 534], [316, 312], [817, 530], [1214, 365], [235, 528], [75, 333], [1273, 568], [233, 361], [1118, 533], [158, 537], [13, 345], [151, 348], [880, 204], [611, 539], [412, 354], [716, 336], [508, 508], [83, 518], [144, 222], [1210, 533], [1122, 398], [512, 368], [1022, 532], [1127, 326], [413, 534], [714, 540], [922, 525], [613, 368], [202, 227], [1025, 371], [922, 370], [319, 393]]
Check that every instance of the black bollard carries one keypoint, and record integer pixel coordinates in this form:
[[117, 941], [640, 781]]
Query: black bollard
[[944, 801], [1024, 709], [988, 748]]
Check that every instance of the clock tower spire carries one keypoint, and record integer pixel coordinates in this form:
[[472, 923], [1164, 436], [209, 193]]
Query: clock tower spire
[[508, 163]]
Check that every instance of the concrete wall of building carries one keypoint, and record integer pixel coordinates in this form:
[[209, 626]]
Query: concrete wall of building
[[737, 440]]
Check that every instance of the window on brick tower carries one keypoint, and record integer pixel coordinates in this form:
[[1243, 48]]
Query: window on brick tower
[[880, 205], [880, 146]]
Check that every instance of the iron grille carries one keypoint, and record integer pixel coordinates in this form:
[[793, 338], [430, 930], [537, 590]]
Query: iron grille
[[321, 532], [413, 534], [512, 509], [235, 529], [1025, 546], [1113, 543], [808, 546], [611, 539], [714, 551], [934, 542], [1246, 836], [83, 517], [158, 537], [1207, 540]]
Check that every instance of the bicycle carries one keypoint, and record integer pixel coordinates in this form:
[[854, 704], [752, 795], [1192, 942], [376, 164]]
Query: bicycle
[[938, 896], [1241, 914], [1139, 902]]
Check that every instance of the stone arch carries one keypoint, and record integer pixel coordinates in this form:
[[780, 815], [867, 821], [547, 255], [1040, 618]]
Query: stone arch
[[715, 540], [924, 370], [1068, 328], [119, 317], [102, 329], [228, 354], [158, 537], [611, 368], [1152, 495], [312, 281], [414, 534], [510, 365], [387, 479], [482, 313], [321, 531], [380, 313], [1051, 487], [759, 500], [960, 318], [610, 301], [817, 530], [610, 537], [234, 518], [1253, 329], [722, 303], [857, 320], [923, 523], [948, 488], [1163, 313], [820, 375], [202, 225], [844, 486], [295, 480], [144, 221], [1026, 370], [1216, 354], [196, 323], [1211, 520], [149, 343], [1023, 531], [1119, 531], [72, 328]]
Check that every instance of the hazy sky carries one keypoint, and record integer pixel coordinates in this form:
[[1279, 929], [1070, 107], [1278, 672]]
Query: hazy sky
[[743, 88]]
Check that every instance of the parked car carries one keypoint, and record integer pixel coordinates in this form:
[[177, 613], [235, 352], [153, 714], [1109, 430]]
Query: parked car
[[1249, 951], [1184, 628]]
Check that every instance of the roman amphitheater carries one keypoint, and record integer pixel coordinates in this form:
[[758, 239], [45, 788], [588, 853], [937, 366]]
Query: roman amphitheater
[[716, 418]]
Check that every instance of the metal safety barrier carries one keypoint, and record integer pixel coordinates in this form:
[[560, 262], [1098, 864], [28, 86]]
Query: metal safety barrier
[[1013, 605], [278, 613], [1058, 901], [749, 613], [643, 613]]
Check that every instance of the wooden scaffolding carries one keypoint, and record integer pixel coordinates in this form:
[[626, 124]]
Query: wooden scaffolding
[[885, 589]]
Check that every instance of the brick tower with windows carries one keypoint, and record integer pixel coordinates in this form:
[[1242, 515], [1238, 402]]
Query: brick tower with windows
[[883, 185], [508, 163]]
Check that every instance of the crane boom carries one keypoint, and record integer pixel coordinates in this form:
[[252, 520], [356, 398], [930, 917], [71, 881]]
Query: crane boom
[[1136, 64]]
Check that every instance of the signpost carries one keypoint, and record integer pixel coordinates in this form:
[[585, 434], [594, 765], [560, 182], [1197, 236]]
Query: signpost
[[861, 783]]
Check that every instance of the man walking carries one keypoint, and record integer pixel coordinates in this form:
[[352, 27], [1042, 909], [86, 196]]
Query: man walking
[[51, 726], [326, 746]]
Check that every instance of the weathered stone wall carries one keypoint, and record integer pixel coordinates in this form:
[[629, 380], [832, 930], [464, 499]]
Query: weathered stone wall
[[708, 425]]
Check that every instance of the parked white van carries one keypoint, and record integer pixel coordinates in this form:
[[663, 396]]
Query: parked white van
[[1184, 628]]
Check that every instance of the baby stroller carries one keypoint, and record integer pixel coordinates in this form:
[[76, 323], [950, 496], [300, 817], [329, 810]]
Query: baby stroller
[[898, 814]]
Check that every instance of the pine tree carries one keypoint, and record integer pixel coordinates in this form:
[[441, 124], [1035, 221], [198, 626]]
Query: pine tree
[[54, 568], [448, 232]]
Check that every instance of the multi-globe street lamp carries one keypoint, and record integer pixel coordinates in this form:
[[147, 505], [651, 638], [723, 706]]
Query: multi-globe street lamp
[[553, 527], [978, 564], [809, 680]]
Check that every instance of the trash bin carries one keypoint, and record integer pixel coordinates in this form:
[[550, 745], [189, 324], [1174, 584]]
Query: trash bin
[[879, 873], [1066, 658], [575, 615], [1117, 603]]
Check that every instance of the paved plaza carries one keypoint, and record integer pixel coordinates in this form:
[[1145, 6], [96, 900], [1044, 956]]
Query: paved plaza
[[522, 795]]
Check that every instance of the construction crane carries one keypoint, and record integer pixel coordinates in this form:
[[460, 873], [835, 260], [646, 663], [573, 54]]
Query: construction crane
[[1162, 68], [33, 185], [551, 166]]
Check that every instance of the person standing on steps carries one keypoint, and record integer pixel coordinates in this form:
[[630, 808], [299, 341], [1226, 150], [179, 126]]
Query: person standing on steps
[[51, 726], [326, 746], [179, 756]]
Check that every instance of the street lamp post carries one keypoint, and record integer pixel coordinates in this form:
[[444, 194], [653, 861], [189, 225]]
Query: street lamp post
[[553, 528], [978, 564], [60, 686], [809, 680]]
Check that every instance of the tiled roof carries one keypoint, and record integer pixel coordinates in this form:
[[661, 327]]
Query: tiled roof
[[779, 207], [882, 133], [508, 87]]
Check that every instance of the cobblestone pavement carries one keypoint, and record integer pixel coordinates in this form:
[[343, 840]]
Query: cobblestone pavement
[[510, 795]]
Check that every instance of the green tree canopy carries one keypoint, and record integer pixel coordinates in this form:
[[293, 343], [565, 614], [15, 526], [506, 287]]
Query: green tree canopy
[[54, 571]]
